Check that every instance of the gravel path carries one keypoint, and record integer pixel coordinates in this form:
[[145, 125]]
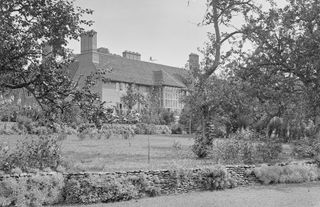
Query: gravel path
[[290, 195]]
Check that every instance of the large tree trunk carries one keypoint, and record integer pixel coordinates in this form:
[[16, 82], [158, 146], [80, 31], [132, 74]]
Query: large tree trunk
[[205, 129]]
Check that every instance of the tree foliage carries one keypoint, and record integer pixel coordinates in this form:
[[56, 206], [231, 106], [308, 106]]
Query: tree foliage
[[34, 56], [132, 97], [284, 67], [34, 35], [220, 14]]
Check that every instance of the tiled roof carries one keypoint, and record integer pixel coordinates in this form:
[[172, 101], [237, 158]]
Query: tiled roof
[[140, 72]]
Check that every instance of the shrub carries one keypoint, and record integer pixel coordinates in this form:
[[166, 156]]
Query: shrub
[[162, 129], [217, 131], [4, 155], [40, 130], [40, 153], [42, 126], [217, 177], [69, 130], [110, 188], [124, 130], [144, 186], [85, 126], [143, 128], [234, 151], [100, 189], [287, 174], [35, 190], [268, 151], [140, 128], [228, 150], [150, 129], [307, 147], [167, 117], [25, 124], [199, 148], [16, 129], [6, 131], [106, 131], [87, 130], [176, 129]]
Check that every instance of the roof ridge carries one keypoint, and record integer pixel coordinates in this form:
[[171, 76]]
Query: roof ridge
[[142, 61]]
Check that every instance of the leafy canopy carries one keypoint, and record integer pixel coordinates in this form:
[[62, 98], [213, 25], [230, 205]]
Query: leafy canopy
[[34, 35], [285, 67]]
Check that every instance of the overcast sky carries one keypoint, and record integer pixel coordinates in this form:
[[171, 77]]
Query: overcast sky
[[165, 30]]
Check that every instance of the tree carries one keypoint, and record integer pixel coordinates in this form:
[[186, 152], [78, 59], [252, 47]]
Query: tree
[[132, 97], [286, 58], [152, 107], [33, 52], [220, 14]]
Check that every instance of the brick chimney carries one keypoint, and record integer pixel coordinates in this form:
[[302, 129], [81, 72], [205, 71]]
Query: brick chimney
[[89, 47], [131, 55], [193, 61]]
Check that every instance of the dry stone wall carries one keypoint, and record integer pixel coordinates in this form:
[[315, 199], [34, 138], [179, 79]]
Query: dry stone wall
[[92, 187]]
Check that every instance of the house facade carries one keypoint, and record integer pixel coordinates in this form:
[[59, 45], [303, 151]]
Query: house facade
[[129, 69]]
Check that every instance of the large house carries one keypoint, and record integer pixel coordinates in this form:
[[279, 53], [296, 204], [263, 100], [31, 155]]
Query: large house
[[129, 69]]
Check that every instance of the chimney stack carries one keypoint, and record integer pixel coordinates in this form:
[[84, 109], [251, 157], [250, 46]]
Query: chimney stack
[[194, 61], [131, 55], [89, 47]]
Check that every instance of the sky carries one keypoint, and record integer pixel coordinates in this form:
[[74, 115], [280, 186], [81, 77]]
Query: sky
[[166, 30]]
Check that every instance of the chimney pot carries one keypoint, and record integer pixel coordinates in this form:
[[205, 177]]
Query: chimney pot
[[131, 55]]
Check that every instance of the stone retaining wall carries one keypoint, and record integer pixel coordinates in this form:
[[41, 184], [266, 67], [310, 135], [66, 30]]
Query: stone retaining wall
[[167, 180], [90, 187]]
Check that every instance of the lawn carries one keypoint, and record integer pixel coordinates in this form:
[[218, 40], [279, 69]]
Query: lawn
[[118, 154]]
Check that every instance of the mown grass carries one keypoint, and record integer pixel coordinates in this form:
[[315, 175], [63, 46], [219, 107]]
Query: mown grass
[[118, 154]]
